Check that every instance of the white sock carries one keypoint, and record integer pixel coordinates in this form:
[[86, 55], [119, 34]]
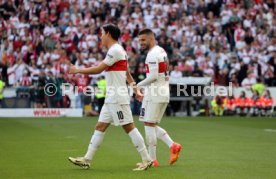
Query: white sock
[[139, 143], [94, 144], [164, 136], [151, 141]]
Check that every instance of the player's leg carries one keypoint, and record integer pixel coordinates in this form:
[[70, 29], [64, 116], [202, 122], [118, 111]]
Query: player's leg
[[93, 146], [221, 110], [161, 134], [148, 115], [105, 119], [256, 111], [96, 139], [262, 110], [164, 136], [151, 139], [121, 115], [175, 148], [139, 143], [238, 111], [214, 107], [251, 112], [268, 110]]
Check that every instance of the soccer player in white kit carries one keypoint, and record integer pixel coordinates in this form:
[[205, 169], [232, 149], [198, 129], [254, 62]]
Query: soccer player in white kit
[[156, 97], [116, 109]]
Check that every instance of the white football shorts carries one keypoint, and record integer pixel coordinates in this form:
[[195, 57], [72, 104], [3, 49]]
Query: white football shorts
[[152, 112], [116, 114]]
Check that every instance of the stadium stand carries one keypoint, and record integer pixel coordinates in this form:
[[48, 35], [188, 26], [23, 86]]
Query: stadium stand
[[226, 40]]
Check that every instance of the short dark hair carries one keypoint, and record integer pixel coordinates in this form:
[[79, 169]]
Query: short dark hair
[[113, 30], [146, 31]]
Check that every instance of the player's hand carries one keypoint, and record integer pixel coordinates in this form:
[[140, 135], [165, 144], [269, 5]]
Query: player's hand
[[139, 95], [73, 69]]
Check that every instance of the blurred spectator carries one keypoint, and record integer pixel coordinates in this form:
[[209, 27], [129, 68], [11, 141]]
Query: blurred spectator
[[58, 98], [176, 73], [241, 107], [267, 103], [25, 80], [11, 74], [218, 104], [234, 80], [100, 95], [258, 87], [269, 74], [255, 103], [222, 77], [81, 81], [50, 81], [2, 85], [230, 104], [249, 81], [39, 96]]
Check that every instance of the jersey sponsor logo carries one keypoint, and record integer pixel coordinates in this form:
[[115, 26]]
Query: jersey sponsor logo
[[110, 56], [118, 66], [161, 67], [152, 63]]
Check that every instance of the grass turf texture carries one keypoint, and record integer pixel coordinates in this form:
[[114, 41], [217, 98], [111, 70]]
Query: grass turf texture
[[212, 148]]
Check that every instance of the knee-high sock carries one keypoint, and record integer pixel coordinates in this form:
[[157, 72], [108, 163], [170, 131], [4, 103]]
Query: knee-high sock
[[139, 143], [164, 136], [94, 144], [151, 141]]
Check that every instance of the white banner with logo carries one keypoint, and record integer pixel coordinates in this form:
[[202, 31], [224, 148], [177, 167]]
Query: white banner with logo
[[40, 112]]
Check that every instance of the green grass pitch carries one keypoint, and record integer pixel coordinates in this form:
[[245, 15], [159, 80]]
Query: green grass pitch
[[212, 148]]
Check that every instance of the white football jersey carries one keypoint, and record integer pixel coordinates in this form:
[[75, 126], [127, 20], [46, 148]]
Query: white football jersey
[[115, 75], [156, 61]]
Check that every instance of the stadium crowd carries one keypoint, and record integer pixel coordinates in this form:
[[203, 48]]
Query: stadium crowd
[[227, 40]]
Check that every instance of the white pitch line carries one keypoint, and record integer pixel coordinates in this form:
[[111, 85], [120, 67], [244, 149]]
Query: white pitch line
[[70, 137], [270, 130]]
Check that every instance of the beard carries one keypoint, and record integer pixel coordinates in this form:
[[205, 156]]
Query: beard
[[145, 48]]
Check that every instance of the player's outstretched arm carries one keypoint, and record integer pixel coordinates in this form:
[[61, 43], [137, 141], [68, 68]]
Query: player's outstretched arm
[[91, 70]]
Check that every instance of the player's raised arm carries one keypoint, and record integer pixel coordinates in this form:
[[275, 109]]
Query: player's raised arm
[[91, 70]]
